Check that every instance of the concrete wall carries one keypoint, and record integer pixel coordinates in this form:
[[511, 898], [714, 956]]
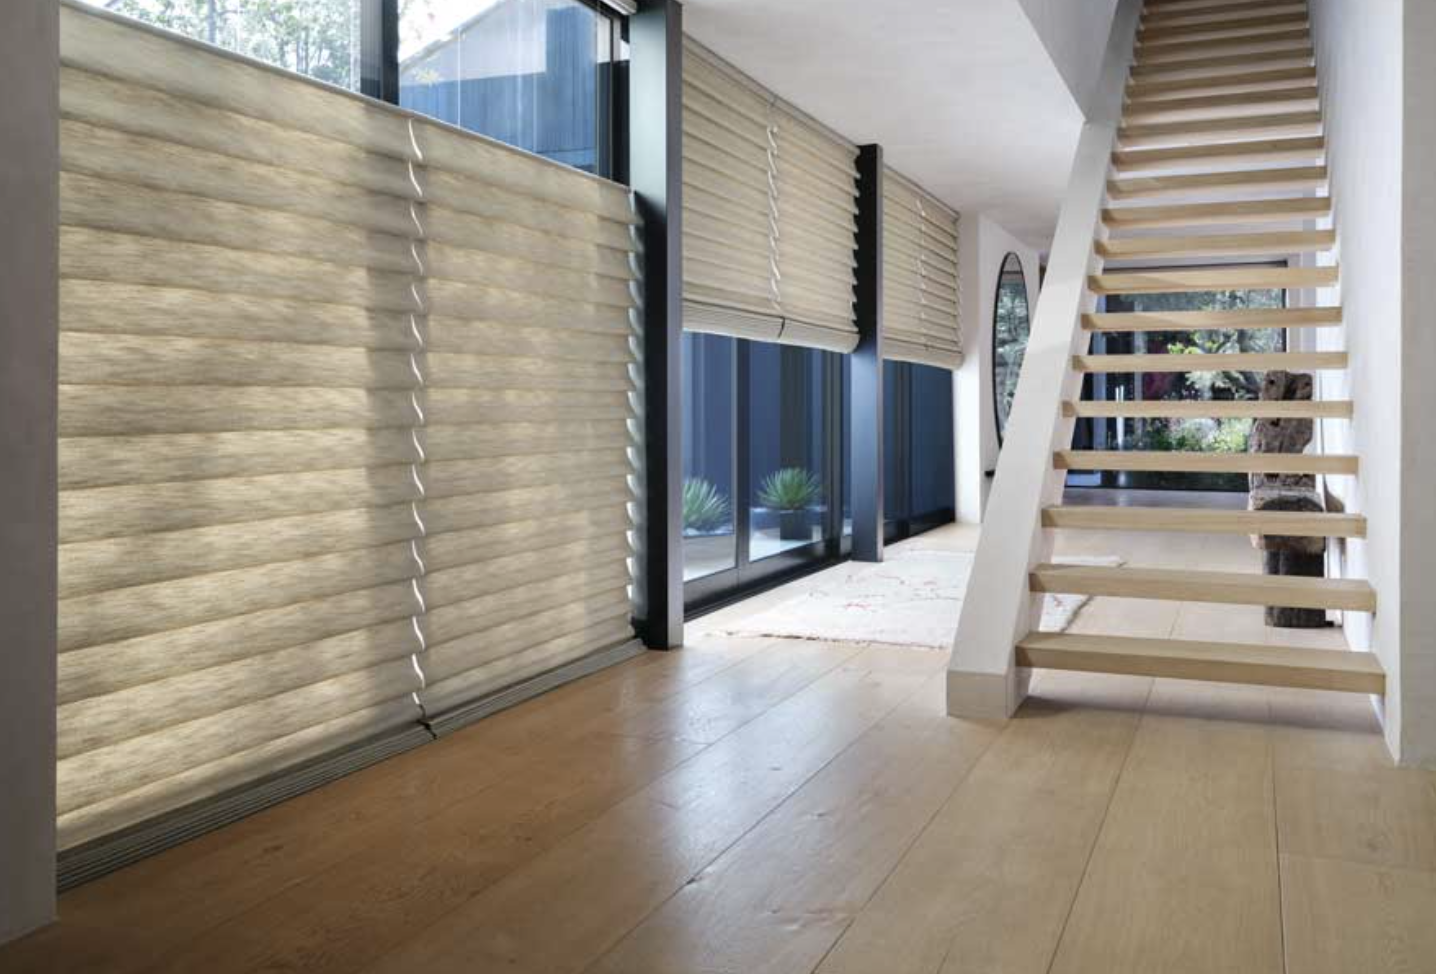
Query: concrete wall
[[1075, 35], [1378, 85], [29, 50], [983, 247]]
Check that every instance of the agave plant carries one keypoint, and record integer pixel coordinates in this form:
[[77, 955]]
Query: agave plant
[[704, 506], [790, 489]]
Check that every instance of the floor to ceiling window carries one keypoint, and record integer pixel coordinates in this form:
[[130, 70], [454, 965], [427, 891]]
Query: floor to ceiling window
[[762, 460], [532, 73], [1207, 435], [919, 487]]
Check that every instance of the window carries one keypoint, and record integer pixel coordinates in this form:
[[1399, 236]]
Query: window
[[1208, 435], [763, 462], [318, 38], [788, 448], [919, 490], [536, 74], [709, 379], [1010, 327]]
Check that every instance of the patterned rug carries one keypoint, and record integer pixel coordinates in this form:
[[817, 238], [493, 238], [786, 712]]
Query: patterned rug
[[911, 599]]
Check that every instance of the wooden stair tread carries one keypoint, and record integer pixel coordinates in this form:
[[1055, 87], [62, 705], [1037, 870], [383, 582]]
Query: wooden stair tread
[[1249, 28], [1139, 90], [1302, 52], [1217, 127], [1174, 26], [1212, 279], [1288, 177], [1176, 461], [1254, 44], [1198, 214], [1311, 147], [1235, 12], [1293, 524], [1217, 245], [1185, 659], [1215, 362], [1228, 588], [1205, 103], [1244, 319], [1210, 409]]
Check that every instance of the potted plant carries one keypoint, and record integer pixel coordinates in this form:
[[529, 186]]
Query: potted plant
[[792, 492], [705, 509]]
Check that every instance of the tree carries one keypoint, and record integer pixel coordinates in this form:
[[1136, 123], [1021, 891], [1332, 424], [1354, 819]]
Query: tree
[[318, 38]]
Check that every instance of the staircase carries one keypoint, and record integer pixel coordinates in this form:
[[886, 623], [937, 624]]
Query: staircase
[[1217, 158]]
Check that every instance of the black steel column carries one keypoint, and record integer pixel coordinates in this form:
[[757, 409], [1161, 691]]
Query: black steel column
[[655, 167], [866, 447]]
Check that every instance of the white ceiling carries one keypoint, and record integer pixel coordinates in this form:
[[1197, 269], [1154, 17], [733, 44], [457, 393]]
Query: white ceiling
[[961, 94]]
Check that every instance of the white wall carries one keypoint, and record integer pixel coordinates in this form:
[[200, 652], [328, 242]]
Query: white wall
[[1075, 35], [1418, 367], [983, 246], [1377, 107]]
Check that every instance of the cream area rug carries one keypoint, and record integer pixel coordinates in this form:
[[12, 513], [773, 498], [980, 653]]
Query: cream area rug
[[911, 599]]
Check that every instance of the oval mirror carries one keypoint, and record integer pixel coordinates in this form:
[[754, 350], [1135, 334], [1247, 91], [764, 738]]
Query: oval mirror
[[1010, 328]]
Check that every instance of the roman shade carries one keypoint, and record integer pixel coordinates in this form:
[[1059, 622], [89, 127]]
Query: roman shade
[[769, 214], [921, 290], [344, 416]]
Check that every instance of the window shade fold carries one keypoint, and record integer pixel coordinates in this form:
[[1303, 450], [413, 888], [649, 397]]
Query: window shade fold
[[921, 289], [345, 398], [769, 211]]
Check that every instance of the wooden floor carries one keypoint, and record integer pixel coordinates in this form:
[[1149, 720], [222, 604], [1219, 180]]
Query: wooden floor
[[784, 807]]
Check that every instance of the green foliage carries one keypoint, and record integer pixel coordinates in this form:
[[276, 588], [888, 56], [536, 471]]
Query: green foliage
[[1195, 436], [704, 506], [318, 38], [790, 489]]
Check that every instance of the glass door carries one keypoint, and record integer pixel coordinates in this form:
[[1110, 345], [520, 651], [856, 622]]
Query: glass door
[[763, 458]]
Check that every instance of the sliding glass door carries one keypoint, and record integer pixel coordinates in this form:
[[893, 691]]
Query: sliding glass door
[[763, 455]]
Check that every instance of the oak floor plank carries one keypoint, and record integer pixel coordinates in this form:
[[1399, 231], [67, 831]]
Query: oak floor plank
[[564, 910], [1344, 917], [349, 915], [777, 901], [988, 883], [1380, 817], [1187, 854]]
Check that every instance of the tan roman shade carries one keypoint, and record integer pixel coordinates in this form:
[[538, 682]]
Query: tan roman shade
[[769, 214], [921, 290], [344, 417]]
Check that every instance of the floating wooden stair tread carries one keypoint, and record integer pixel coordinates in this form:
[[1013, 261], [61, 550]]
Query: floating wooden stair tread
[[1177, 461], [1290, 52], [1311, 147], [1217, 245], [1274, 98], [1215, 129], [1210, 409], [1254, 44], [1216, 362], [1155, 28], [1206, 214], [1212, 279], [1290, 524], [1228, 588], [1290, 177], [1181, 659], [1234, 12], [1248, 318], [1138, 90]]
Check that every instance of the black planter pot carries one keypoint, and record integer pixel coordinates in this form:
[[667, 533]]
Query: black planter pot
[[795, 525]]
